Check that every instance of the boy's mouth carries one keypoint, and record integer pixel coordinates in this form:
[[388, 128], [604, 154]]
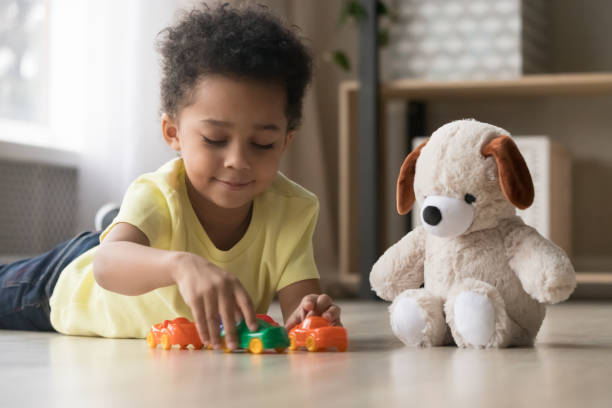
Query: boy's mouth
[[234, 185]]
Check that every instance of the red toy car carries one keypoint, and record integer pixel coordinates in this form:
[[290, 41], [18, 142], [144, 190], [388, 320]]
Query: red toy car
[[315, 333], [183, 332], [179, 331]]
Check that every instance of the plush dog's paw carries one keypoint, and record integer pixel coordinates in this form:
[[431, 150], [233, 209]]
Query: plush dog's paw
[[408, 321], [417, 319], [559, 286], [474, 318], [558, 292]]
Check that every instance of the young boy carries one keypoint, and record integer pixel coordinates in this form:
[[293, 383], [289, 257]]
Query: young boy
[[213, 234]]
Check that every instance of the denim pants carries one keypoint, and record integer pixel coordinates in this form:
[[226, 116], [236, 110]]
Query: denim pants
[[26, 286]]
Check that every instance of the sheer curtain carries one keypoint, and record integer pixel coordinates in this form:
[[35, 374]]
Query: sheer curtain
[[104, 92]]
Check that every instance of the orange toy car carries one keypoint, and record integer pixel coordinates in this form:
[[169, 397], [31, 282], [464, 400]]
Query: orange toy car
[[315, 333], [179, 331]]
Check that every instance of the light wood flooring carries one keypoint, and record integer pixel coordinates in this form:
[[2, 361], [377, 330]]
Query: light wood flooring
[[570, 366]]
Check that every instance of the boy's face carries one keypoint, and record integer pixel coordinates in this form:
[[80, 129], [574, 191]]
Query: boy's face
[[231, 137]]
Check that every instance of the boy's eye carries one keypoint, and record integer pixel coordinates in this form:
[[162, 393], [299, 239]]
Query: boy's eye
[[213, 142], [264, 146]]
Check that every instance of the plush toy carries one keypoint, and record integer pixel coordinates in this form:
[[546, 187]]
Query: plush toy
[[473, 273]]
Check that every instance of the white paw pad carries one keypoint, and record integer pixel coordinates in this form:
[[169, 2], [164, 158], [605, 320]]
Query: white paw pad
[[408, 321], [474, 318]]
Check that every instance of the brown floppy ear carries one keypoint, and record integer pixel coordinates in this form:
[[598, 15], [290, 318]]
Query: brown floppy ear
[[514, 178], [405, 181]]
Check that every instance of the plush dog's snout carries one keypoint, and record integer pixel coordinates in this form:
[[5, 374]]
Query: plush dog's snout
[[432, 215], [446, 216]]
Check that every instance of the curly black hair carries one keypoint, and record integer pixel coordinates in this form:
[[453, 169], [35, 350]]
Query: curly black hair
[[248, 42]]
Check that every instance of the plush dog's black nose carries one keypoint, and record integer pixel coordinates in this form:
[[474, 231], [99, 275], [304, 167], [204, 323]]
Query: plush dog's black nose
[[432, 215]]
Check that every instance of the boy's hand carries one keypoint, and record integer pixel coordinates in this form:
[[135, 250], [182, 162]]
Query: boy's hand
[[211, 293], [315, 305]]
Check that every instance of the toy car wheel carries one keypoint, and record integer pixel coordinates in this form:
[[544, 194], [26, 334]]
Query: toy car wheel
[[165, 342], [293, 344], [255, 346], [311, 343], [224, 347], [151, 340]]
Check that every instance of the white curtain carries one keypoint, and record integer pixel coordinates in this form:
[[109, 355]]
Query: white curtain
[[104, 92]]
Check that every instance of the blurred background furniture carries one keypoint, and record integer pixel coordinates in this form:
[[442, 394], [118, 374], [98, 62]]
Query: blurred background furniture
[[350, 219]]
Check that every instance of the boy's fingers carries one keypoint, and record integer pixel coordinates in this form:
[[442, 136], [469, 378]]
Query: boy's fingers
[[295, 318], [212, 318], [246, 307], [226, 308], [332, 314], [323, 303], [199, 316], [309, 302]]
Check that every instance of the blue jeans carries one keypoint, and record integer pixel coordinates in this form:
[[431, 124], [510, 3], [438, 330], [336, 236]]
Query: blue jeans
[[26, 286]]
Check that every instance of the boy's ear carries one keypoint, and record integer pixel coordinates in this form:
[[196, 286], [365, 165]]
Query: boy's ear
[[170, 131], [288, 139]]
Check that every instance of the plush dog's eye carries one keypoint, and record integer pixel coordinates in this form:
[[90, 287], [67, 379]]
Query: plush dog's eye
[[469, 198]]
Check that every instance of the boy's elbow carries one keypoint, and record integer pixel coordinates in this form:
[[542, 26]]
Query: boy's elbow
[[99, 269]]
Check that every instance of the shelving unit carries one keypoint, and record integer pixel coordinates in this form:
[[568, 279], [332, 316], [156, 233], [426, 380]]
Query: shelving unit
[[351, 234]]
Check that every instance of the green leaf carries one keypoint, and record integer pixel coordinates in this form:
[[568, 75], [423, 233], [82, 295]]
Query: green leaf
[[381, 9], [340, 59], [352, 9], [383, 37]]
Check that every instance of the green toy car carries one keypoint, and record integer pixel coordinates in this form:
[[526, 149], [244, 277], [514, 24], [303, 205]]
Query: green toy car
[[269, 335]]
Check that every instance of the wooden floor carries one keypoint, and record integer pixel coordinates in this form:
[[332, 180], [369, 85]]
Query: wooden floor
[[571, 366]]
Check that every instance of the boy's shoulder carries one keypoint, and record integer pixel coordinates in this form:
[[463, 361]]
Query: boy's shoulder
[[166, 177], [286, 188]]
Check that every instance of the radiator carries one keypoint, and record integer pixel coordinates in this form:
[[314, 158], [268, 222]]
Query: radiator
[[38, 207]]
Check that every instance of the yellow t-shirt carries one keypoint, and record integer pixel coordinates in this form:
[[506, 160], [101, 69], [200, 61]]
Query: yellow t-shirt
[[275, 251]]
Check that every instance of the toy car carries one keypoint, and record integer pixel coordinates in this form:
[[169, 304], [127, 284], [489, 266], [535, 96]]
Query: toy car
[[269, 335], [315, 333], [179, 331]]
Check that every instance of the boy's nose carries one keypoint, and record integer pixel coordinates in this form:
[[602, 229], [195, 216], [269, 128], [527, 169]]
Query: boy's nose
[[237, 157]]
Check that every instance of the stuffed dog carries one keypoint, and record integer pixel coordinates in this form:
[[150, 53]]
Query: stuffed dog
[[473, 273]]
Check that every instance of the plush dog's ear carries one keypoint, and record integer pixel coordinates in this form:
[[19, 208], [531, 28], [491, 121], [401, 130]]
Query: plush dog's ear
[[514, 178], [405, 181]]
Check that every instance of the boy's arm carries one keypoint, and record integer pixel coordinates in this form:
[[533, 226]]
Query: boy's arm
[[304, 298], [290, 296], [124, 263]]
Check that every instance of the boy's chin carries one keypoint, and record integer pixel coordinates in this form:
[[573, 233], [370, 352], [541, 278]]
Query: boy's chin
[[231, 202]]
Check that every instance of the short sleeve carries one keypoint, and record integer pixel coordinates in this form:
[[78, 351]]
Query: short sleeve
[[301, 263], [145, 207]]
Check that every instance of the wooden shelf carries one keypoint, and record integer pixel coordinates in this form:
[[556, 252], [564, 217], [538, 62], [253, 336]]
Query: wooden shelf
[[529, 85], [593, 286], [594, 278], [421, 90]]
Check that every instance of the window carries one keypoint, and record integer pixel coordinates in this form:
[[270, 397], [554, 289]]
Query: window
[[24, 47]]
